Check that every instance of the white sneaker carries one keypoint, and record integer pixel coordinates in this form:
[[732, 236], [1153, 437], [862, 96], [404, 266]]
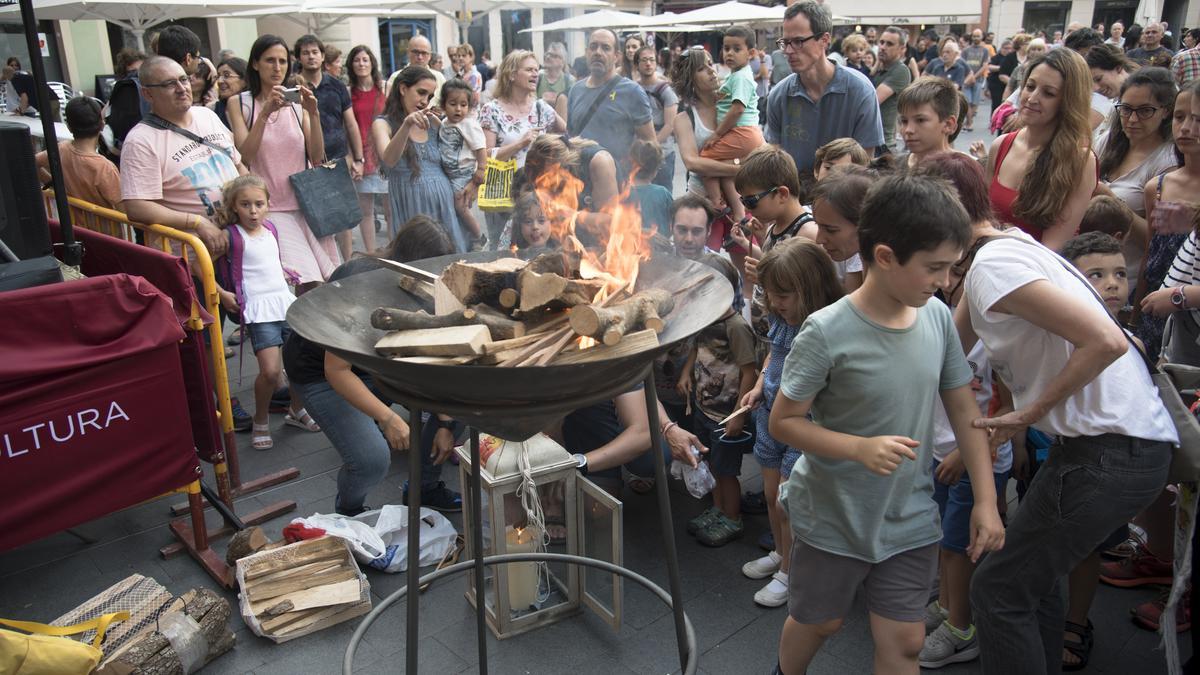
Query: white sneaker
[[935, 614], [775, 593], [943, 647], [761, 568]]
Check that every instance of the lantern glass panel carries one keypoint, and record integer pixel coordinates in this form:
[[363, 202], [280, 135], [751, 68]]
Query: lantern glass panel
[[600, 537]]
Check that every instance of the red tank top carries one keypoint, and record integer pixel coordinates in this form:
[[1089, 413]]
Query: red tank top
[[1003, 197]]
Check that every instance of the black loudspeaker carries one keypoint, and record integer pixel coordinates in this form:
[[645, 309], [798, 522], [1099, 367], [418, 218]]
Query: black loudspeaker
[[29, 273], [22, 214]]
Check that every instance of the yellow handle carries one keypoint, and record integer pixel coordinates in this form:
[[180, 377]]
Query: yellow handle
[[100, 624]]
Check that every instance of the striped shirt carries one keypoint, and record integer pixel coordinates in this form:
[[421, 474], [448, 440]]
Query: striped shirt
[[1183, 269]]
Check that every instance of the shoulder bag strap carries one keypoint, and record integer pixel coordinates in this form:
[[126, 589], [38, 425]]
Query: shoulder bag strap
[[156, 122], [1088, 285], [604, 91]]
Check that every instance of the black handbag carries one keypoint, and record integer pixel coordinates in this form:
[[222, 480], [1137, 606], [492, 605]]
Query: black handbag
[[325, 192], [327, 197]]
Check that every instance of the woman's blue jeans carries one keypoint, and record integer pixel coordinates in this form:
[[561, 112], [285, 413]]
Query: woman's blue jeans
[[365, 452]]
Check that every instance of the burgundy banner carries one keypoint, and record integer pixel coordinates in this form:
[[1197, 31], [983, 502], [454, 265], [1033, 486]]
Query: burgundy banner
[[93, 413]]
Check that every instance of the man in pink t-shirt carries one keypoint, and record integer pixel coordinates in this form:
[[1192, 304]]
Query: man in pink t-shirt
[[167, 177]]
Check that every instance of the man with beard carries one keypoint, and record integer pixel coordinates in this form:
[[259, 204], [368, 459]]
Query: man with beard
[[606, 107]]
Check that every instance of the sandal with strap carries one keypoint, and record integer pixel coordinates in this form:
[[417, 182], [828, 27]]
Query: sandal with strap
[[301, 420], [260, 437], [1082, 649]]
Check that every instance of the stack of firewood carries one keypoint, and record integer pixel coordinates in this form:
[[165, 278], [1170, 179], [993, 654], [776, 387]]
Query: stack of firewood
[[301, 588], [512, 312]]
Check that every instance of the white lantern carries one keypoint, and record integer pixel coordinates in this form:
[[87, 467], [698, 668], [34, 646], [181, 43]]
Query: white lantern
[[530, 490]]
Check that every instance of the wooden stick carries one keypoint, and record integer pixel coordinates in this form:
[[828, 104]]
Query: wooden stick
[[689, 286], [499, 326], [407, 270], [735, 413]]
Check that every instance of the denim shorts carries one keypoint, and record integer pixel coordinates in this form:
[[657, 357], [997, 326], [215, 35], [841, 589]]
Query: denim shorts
[[268, 334], [955, 503], [974, 93], [724, 458], [770, 453]]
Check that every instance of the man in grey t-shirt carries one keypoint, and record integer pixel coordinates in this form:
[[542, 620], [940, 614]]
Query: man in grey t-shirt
[[622, 111], [820, 101], [890, 79]]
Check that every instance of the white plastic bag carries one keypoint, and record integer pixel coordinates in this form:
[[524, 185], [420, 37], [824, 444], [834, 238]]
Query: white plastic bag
[[379, 538], [699, 481]]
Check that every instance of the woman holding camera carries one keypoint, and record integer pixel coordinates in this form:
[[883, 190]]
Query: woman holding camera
[[278, 130]]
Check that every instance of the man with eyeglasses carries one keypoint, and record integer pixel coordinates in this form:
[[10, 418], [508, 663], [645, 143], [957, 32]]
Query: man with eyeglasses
[[1152, 52], [420, 51], [820, 101], [606, 107], [175, 162]]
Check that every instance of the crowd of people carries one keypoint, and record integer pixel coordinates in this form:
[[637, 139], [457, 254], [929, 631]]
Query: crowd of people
[[915, 324]]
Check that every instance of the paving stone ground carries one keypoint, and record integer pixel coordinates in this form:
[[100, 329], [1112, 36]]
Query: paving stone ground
[[43, 579]]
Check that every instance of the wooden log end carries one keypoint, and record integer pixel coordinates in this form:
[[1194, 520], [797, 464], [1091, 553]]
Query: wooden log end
[[509, 298], [612, 337]]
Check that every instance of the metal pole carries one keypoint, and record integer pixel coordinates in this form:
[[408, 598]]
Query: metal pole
[[411, 643], [477, 546], [72, 250], [657, 445]]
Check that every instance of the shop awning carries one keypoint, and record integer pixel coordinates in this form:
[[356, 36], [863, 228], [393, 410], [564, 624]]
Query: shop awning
[[907, 12]]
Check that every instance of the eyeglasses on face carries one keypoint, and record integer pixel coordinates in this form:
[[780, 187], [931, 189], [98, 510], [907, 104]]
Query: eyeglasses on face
[[1142, 112], [181, 83], [228, 76], [795, 43], [751, 201], [418, 52]]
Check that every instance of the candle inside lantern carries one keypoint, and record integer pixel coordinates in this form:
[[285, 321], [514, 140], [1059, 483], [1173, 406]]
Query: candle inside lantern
[[522, 576]]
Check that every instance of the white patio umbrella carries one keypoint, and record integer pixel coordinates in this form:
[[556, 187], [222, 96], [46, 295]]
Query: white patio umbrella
[[884, 12], [725, 14], [137, 17], [317, 16], [606, 18], [463, 12]]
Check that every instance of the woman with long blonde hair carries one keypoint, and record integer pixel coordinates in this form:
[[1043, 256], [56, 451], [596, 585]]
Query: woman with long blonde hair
[[1043, 175]]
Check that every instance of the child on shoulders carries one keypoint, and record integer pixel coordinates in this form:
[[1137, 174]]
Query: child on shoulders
[[737, 133]]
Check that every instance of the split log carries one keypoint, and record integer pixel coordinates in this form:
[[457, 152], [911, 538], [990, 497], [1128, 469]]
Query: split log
[[274, 589], [499, 326], [245, 542], [319, 596], [153, 654], [632, 343], [553, 291], [453, 341], [609, 324], [473, 283], [421, 290]]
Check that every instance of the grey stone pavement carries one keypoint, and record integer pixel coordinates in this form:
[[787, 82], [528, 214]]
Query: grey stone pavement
[[43, 579]]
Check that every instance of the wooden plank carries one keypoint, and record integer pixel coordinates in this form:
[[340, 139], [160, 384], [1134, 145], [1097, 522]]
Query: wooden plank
[[310, 568], [437, 360], [278, 588], [504, 345], [639, 341], [444, 301], [453, 341], [407, 270], [319, 596]]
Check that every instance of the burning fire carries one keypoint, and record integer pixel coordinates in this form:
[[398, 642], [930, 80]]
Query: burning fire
[[624, 242]]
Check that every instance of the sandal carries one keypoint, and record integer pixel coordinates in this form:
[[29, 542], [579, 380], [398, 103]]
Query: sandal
[[1082, 649], [260, 437], [301, 420]]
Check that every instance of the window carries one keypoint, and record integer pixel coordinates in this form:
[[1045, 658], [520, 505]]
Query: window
[[1045, 16], [394, 35], [513, 21]]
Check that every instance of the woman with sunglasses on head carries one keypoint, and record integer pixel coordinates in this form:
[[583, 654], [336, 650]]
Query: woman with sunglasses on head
[[1043, 175]]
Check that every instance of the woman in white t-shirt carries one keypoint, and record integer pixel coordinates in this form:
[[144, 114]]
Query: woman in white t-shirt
[[1074, 375]]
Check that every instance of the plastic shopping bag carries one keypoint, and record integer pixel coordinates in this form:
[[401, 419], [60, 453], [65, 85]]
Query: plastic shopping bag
[[379, 538], [699, 481]]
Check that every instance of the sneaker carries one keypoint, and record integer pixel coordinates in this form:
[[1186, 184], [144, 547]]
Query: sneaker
[[767, 541], [701, 521], [943, 647], [935, 615], [1140, 569], [720, 531], [754, 502], [438, 497], [775, 593], [1148, 615], [761, 568], [242, 421]]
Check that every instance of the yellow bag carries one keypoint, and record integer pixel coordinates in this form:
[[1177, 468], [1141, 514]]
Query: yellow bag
[[46, 652], [496, 192]]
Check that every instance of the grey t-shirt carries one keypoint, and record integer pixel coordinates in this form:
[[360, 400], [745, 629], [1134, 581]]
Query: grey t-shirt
[[868, 380], [897, 76], [847, 108], [975, 58], [612, 125], [661, 96]]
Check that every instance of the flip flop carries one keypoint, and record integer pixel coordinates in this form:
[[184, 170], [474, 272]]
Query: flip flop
[[301, 420]]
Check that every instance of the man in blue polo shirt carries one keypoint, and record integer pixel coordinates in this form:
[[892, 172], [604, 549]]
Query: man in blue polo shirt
[[820, 101]]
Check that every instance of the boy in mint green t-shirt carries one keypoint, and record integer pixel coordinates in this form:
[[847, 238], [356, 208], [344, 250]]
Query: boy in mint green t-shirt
[[869, 369], [737, 133]]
